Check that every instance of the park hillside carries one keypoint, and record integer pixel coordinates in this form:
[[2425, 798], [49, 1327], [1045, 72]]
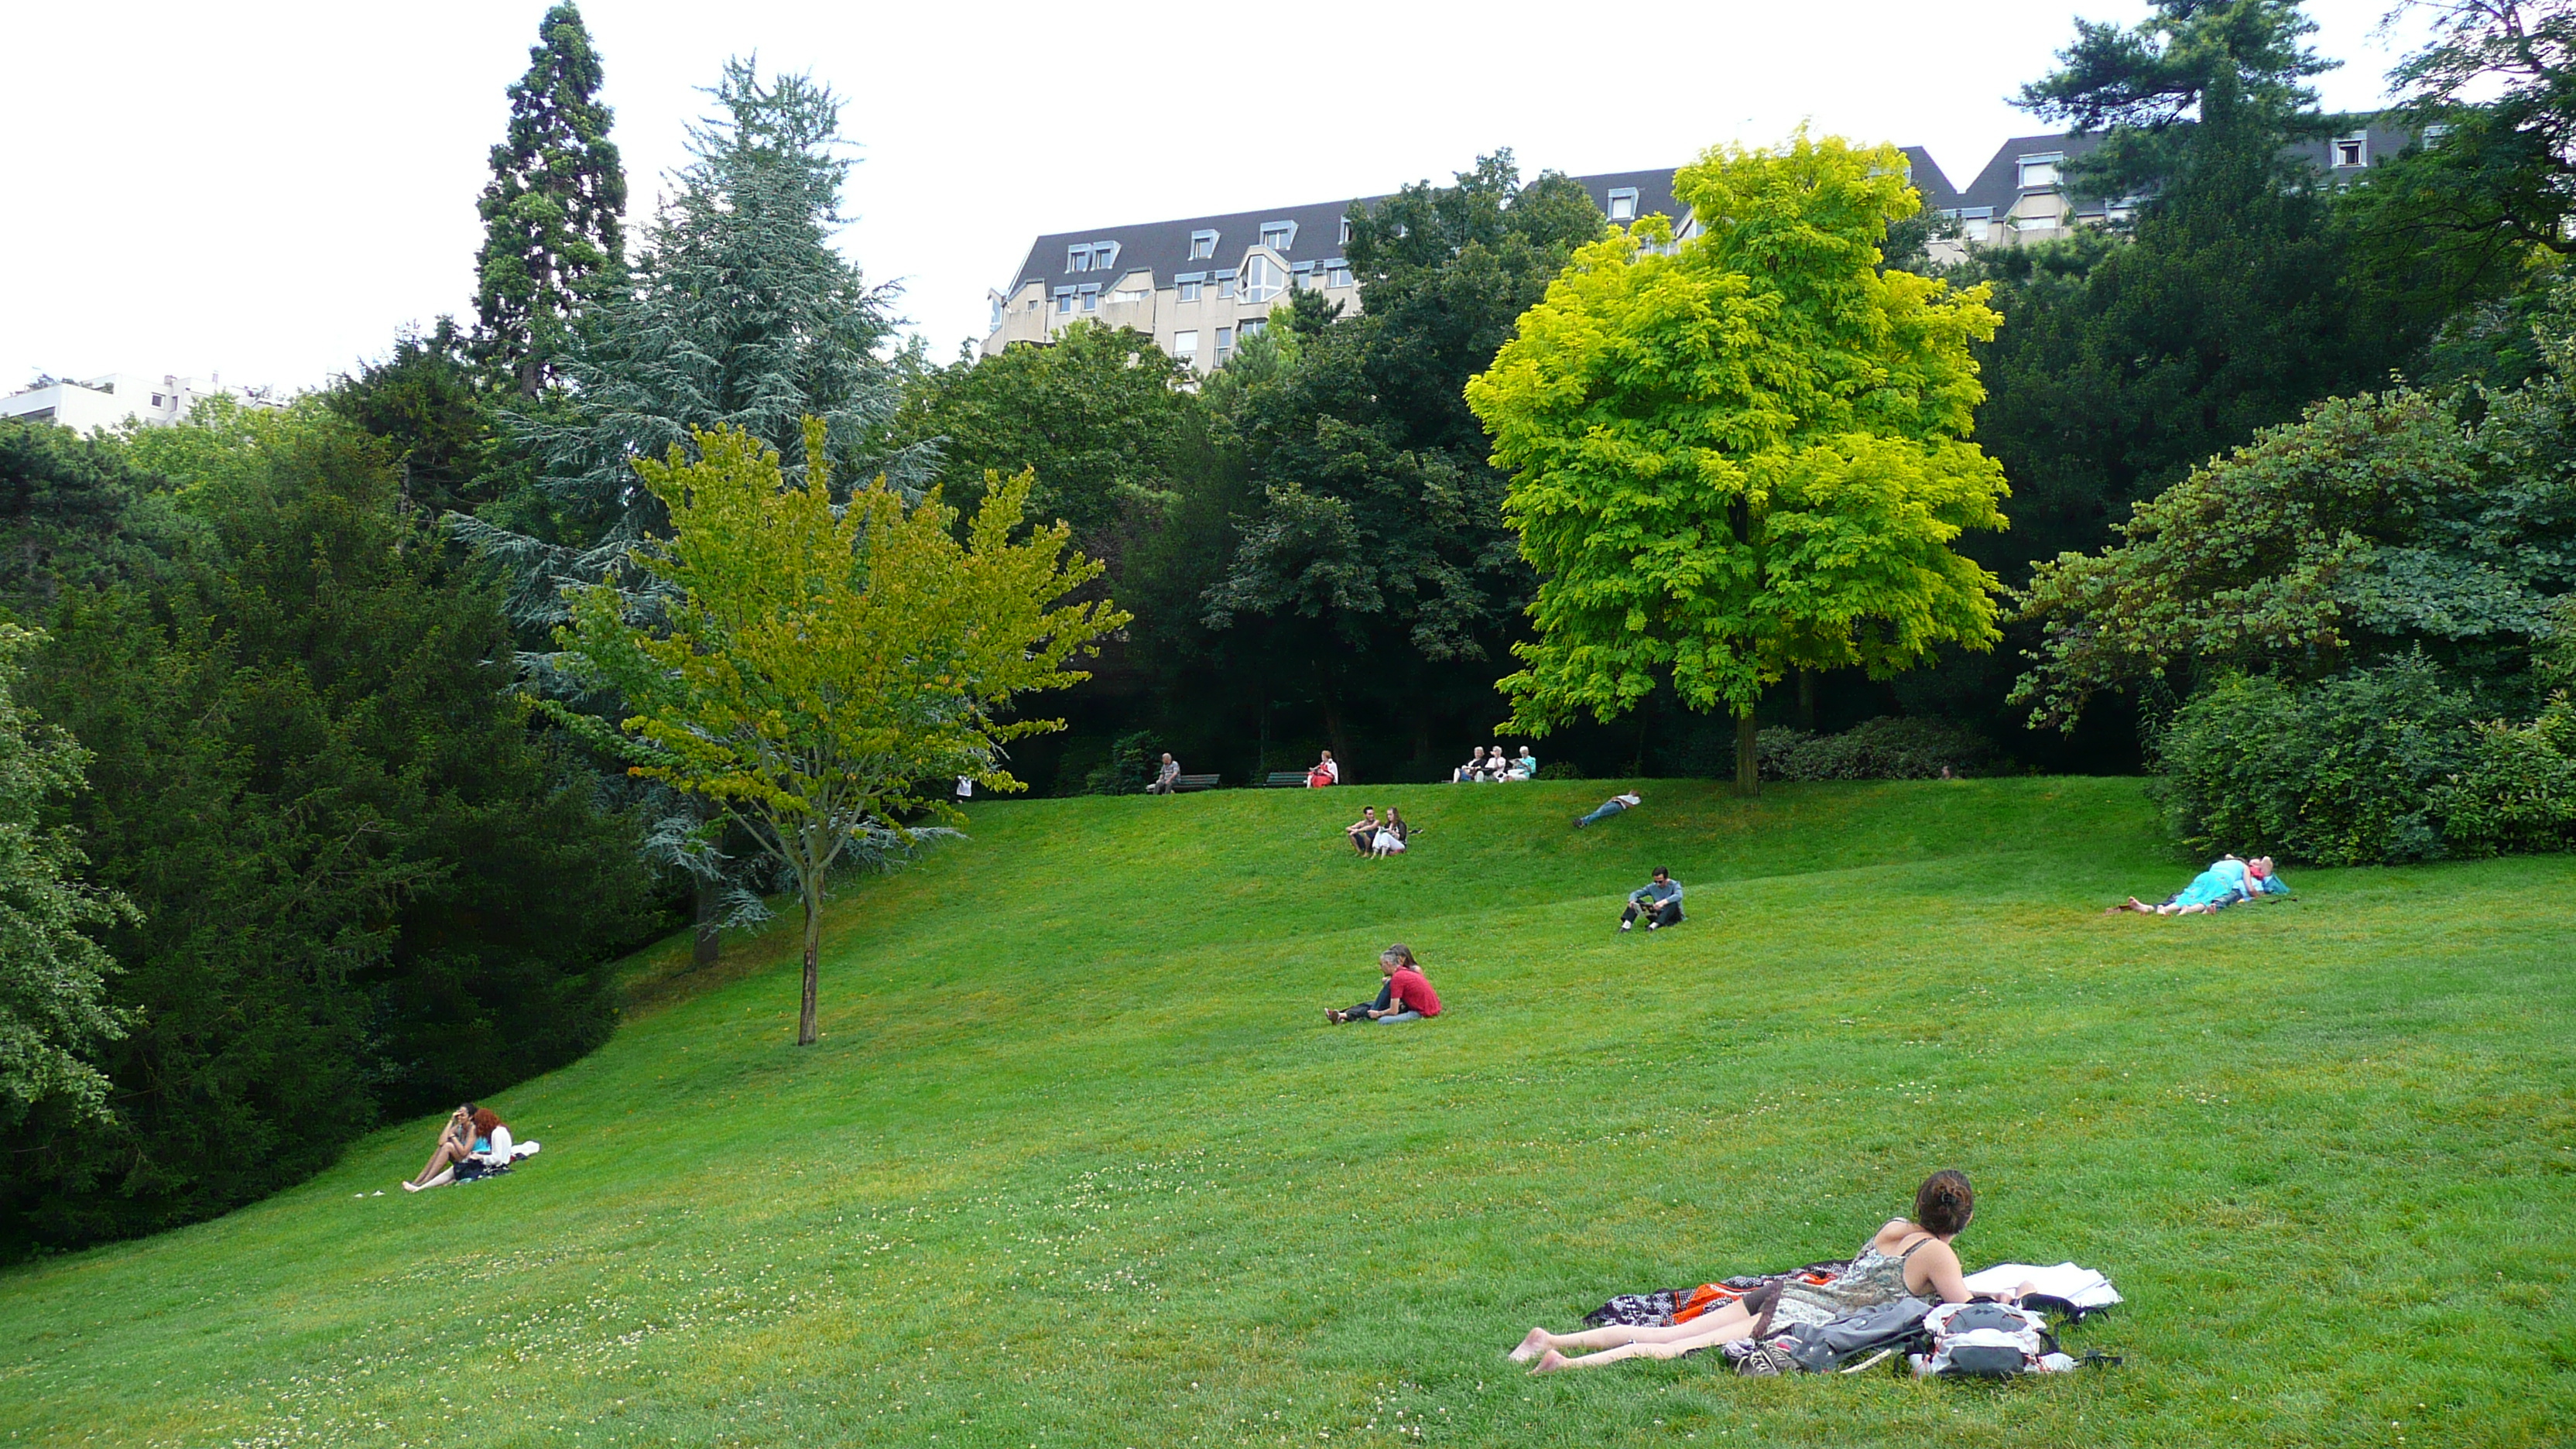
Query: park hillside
[[1075, 1159]]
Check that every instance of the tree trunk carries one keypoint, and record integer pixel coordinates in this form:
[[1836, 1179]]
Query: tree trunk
[[1807, 700], [709, 944], [1748, 773], [805, 1024]]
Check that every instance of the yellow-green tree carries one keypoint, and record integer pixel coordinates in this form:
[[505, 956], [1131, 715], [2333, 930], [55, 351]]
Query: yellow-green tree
[[1747, 453], [815, 667]]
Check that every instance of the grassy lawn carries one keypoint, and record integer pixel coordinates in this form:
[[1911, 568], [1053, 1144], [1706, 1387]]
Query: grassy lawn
[[1077, 1162]]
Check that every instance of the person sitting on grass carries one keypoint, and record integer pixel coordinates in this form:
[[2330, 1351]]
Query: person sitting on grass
[[1658, 900], [474, 1140], [1404, 995], [1363, 831], [1391, 834], [1910, 1257], [1525, 765], [1624, 800], [1473, 770], [1167, 778], [2211, 891]]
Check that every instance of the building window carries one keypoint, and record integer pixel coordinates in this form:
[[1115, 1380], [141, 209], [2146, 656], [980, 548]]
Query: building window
[[1063, 300], [1279, 236], [1262, 279], [1190, 290], [156, 400], [2039, 171], [1225, 284], [2352, 150], [1346, 232], [1185, 345], [1077, 259], [1251, 328], [1128, 295], [1202, 245], [1224, 342], [1339, 276], [1623, 203], [1091, 297]]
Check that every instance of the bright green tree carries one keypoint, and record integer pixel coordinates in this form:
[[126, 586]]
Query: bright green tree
[[553, 215], [820, 664], [53, 989], [1746, 454]]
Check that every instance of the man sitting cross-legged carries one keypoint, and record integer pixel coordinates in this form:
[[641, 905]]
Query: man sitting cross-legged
[[1659, 901]]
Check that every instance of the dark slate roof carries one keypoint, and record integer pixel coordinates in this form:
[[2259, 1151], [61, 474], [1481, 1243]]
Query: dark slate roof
[[1163, 247], [1654, 191], [1929, 179], [1999, 185]]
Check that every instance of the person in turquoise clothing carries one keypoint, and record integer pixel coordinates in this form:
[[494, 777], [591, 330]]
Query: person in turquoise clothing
[[2214, 889]]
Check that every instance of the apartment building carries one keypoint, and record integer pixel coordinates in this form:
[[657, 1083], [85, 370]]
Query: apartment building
[[1200, 286], [109, 400]]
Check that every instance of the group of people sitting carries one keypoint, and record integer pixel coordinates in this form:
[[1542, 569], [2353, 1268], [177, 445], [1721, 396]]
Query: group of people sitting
[[1403, 993], [1377, 835], [1484, 768], [474, 1143], [2228, 880]]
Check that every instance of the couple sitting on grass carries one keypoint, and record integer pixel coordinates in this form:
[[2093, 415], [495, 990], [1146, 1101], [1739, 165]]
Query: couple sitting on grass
[[1403, 994], [2228, 880], [1375, 837], [474, 1143], [1908, 1258]]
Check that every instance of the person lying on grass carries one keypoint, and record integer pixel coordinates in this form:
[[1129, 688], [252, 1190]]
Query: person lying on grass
[[474, 1139], [2263, 878], [1658, 900], [2211, 891], [1910, 1257], [1624, 800], [1404, 995]]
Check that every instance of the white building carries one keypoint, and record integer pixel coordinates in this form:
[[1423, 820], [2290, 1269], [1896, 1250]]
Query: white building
[[109, 401]]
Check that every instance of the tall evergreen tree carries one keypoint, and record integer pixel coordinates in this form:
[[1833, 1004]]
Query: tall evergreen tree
[[553, 215]]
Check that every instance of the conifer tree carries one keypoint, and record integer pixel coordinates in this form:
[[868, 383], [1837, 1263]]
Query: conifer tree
[[553, 228]]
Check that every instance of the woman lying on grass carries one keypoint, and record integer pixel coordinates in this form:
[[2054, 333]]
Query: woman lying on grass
[[2227, 881], [1910, 1257]]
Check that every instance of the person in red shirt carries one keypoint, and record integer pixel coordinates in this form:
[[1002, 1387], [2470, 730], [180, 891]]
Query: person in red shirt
[[1405, 996]]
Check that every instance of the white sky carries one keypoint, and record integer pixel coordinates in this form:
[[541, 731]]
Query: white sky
[[269, 192]]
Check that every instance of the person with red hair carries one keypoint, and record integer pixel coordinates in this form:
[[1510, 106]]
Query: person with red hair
[[474, 1140]]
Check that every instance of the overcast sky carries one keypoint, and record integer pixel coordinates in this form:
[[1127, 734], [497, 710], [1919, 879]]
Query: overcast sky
[[272, 191]]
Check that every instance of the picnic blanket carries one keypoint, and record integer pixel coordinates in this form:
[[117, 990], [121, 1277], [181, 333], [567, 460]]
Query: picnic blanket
[[1667, 1306]]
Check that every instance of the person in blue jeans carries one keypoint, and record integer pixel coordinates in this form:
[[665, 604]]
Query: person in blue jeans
[[1658, 900], [1624, 800]]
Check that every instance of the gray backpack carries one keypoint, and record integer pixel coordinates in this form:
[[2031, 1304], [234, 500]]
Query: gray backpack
[[1848, 1344]]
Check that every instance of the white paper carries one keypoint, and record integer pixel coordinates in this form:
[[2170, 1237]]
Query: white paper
[[2080, 1286]]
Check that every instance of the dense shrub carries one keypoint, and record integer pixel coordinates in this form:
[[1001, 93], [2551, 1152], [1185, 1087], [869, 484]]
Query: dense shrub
[[1886, 748], [1560, 770], [2389, 763], [1133, 760]]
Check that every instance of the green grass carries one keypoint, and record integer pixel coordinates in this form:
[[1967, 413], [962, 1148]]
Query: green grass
[[1076, 1162]]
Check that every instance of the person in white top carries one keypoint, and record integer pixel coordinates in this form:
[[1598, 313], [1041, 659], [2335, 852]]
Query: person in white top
[[474, 1141], [1327, 771]]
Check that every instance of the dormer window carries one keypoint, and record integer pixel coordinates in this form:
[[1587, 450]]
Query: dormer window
[[1063, 300], [1279, 236], [1077, 259], [2039, 172], [1346, 232], [2352, 150], [1623, 203], [1104, 255], [1202, 245]]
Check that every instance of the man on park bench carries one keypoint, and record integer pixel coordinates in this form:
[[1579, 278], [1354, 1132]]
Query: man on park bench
[[1166, 778], [1659, 901]]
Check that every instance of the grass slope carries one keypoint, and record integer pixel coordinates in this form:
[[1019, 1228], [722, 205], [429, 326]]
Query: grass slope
[[1077, 1163]]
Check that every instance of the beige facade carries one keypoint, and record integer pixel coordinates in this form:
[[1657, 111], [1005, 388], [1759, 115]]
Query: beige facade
[[1200, 322]]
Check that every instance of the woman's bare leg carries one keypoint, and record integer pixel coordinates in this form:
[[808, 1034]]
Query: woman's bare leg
[[449, 1153], [1705, 1335], [1620, 1335]]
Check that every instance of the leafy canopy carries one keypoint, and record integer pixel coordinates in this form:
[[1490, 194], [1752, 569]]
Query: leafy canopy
[[822, 663], [1747, 454]]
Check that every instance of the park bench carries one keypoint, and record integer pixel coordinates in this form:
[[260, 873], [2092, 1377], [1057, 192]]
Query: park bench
[[1285, 780], [1193, 782]]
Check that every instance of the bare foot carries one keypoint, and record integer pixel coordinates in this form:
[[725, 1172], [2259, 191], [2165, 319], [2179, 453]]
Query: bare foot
[[410, 1186], [1532, 1346], [1551, 1361]]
